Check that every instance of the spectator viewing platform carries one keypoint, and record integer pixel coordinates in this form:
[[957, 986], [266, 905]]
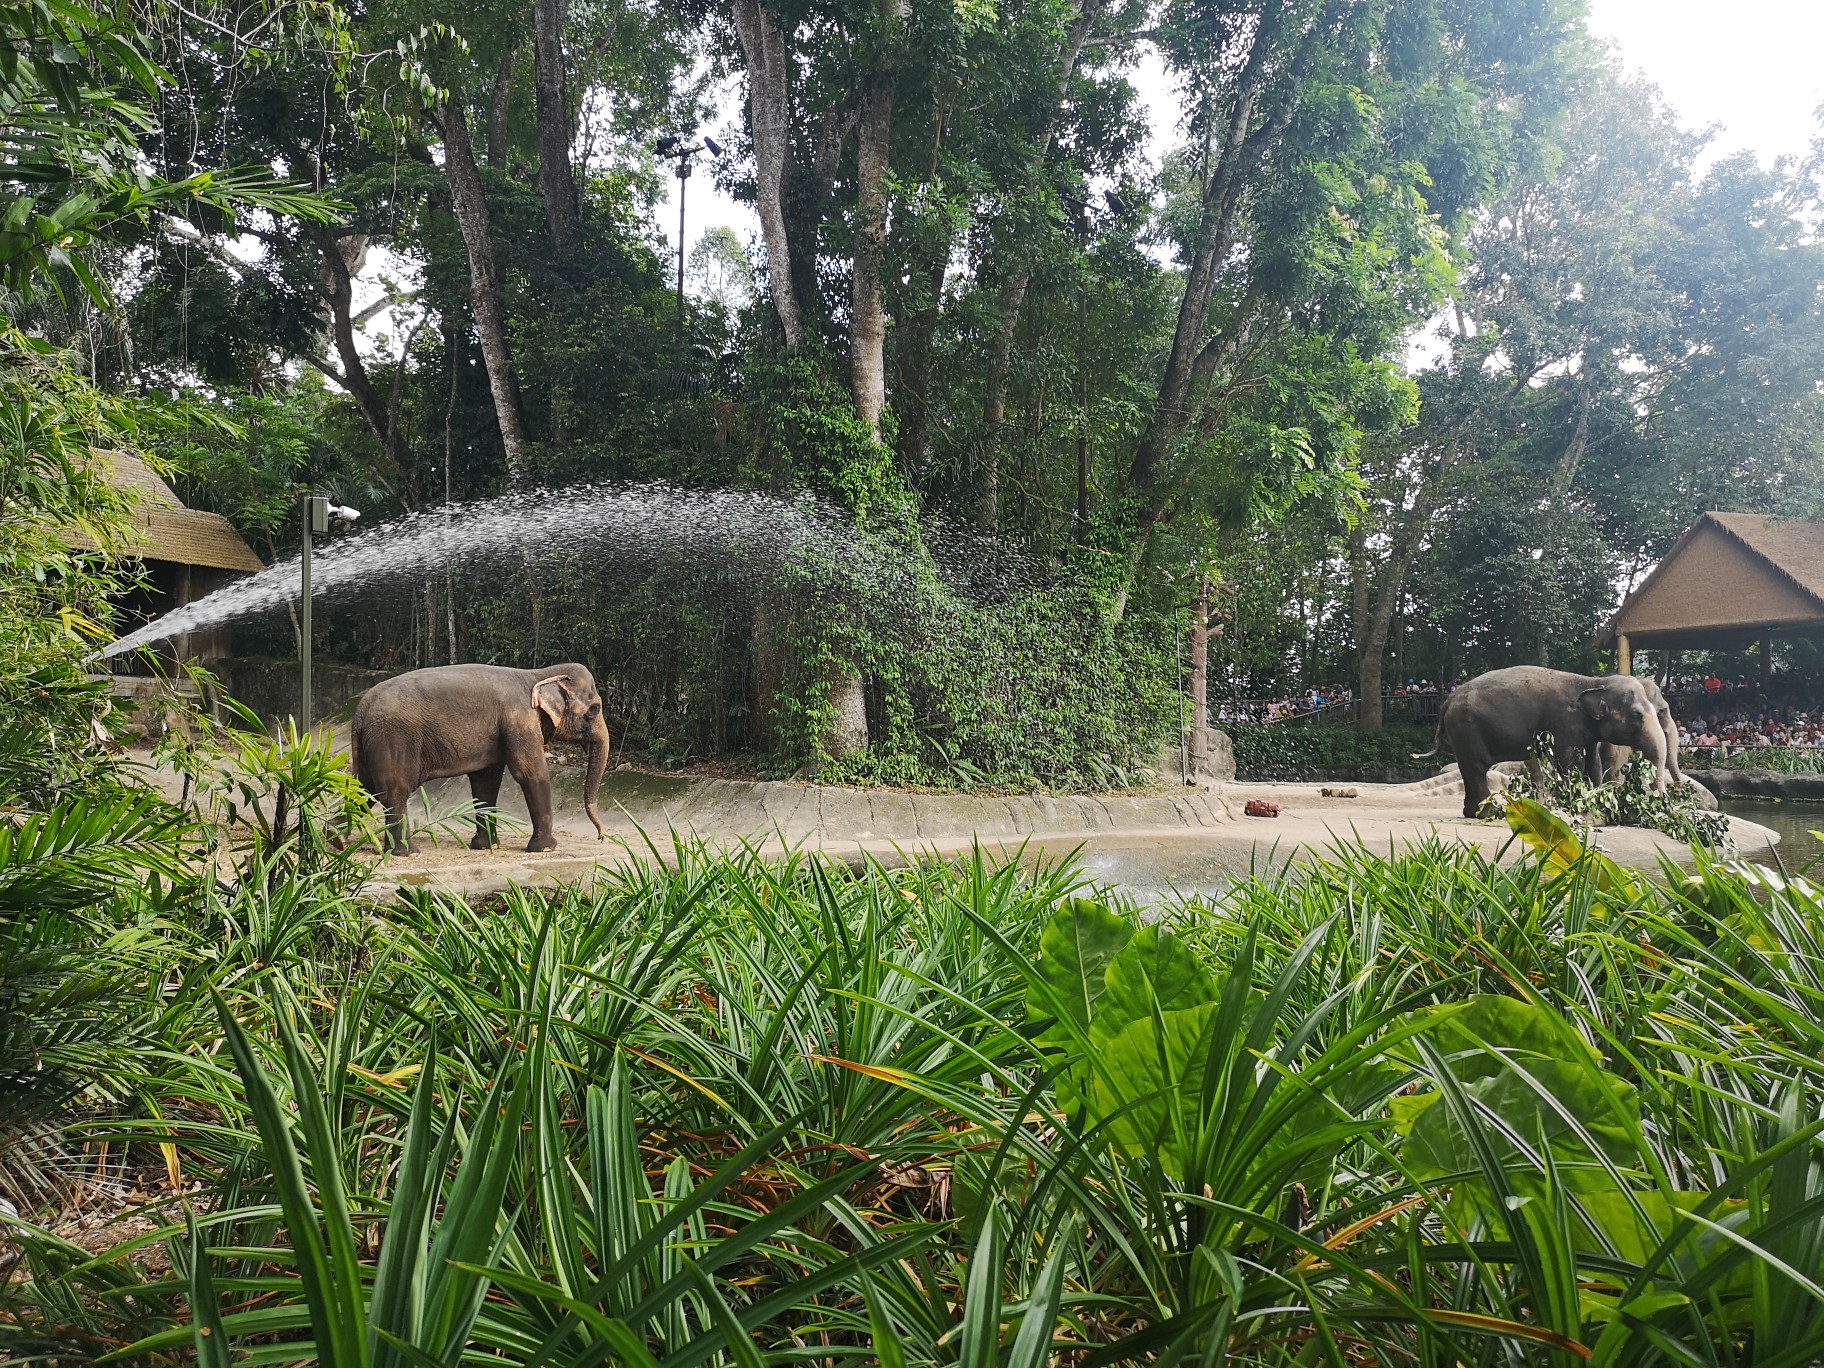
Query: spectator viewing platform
[[1733, 579]]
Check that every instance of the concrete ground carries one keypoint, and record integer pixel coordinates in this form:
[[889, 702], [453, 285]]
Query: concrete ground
[[1188, 839]]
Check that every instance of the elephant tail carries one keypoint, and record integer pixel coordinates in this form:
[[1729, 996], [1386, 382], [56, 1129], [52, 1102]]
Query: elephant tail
[[1437, 741]]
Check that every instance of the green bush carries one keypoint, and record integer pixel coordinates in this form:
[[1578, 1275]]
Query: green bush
[[1438, 1108], [1628, 801], [1779, 759], [1301, 751]]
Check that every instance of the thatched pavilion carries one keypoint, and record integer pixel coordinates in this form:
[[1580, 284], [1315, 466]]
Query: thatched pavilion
[[186, 553], [1732, 579]]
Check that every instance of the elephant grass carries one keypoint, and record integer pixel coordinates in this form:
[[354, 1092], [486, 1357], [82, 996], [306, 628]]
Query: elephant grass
[[1431, 1108]]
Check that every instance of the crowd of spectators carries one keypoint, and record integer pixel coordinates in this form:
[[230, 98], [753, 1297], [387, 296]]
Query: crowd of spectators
[[1724, 732], [1317, 702]]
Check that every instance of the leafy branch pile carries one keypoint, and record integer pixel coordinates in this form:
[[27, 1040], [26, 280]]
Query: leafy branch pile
[[1628, 801]]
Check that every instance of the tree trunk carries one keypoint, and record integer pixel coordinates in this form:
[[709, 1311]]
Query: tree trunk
[[1245, 143], [916, 329], [768, 74], [343, 255], [867, 316], [1200, 681], [913, 356], [500, 108], [556, 181], [1013, 289], [484, 298], [1372, 647], [452, 343], [994, 407]]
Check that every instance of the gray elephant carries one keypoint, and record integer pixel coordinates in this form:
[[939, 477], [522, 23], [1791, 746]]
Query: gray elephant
[[1615, 757], [1495, 717], [477, 720]]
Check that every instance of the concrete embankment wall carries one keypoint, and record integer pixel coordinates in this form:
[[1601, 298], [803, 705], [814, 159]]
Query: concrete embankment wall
[[634, 800], [1760, 783]]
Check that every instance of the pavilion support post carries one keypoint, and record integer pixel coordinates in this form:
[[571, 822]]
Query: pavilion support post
[[1624, 655], [1766, 666]]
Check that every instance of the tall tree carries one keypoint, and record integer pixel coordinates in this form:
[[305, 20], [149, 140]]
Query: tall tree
[[471, 207], [556, 181]]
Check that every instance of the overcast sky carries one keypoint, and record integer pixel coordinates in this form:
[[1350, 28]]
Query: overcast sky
[[1754, 66]]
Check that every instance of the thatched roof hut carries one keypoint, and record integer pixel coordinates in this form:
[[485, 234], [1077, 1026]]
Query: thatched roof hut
[[1731, 580], [187, 553]]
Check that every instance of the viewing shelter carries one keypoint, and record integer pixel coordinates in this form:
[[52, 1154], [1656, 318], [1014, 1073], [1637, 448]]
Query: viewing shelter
[[1732, 579]]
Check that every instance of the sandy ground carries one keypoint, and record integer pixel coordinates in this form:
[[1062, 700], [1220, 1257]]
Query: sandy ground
[[1200, 852], [1188, 839]]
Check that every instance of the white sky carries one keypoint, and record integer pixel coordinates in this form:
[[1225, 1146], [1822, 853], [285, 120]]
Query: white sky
[[1754, 66]]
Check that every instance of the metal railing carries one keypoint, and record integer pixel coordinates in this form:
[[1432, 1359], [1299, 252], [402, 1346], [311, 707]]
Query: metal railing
[[1415, 708]]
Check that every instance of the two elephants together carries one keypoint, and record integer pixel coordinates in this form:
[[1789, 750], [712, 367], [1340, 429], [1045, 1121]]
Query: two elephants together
[[1593, 720]]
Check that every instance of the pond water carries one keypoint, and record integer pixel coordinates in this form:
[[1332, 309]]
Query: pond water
[[1795, 822]]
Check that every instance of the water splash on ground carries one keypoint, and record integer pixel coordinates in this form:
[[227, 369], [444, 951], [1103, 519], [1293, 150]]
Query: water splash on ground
[[754, 536]]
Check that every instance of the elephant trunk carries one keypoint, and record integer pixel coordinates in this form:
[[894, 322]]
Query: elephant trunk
[[598, 764]]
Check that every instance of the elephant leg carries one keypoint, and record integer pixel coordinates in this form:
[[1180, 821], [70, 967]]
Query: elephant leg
[[484, 788], [1475, 788], [398, 832], [1535, 772], [1669, 729], [534, 778]]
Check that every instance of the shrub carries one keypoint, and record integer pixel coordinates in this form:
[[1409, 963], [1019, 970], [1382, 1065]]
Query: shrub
[[1302, 751]]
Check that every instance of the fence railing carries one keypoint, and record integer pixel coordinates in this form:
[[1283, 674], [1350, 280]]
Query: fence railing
[[1416, 708]]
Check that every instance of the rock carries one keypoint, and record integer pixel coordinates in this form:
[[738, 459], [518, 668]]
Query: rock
[[1342, 793], [1261, 807], [1218, 762]]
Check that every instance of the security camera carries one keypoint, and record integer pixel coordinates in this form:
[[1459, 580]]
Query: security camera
[[341, 513]]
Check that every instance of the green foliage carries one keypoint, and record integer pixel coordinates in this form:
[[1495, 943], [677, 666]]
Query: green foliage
[[77, 88], [54, 594], [1302, 751], [1037, 690], [1628, 801], [1779, 759], [784, 1112]]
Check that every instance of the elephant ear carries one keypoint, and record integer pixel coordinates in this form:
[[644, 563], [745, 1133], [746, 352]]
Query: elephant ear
[[550, 697], [1595, 703]]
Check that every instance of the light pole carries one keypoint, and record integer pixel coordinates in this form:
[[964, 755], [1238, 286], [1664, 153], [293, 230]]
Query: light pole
[[668, 146], [317, 514]]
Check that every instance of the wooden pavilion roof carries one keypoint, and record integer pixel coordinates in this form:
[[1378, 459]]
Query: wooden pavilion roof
[[1732, 579], [165, 530]]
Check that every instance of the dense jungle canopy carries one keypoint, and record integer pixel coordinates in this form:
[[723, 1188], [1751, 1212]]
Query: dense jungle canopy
[[1429, 331]]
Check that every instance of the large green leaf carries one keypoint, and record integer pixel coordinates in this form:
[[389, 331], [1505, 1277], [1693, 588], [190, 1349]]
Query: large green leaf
[[1074, 953], [1148, 1084], [1154, 972]]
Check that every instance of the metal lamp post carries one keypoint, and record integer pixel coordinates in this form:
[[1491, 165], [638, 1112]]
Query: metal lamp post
[[317, 514], [669, 146]]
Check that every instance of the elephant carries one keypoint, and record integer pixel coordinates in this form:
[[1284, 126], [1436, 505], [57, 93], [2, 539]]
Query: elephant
[[1615, 757], [1495, 717], [477, 720]]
